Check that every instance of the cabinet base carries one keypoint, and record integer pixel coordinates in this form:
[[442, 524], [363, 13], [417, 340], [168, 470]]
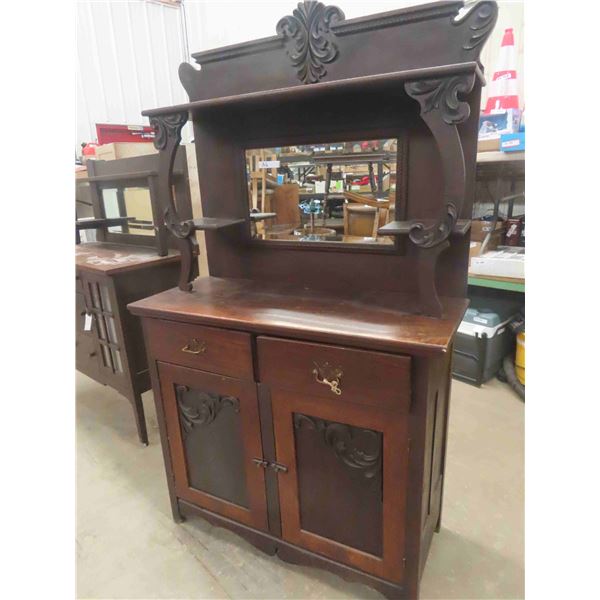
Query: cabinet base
[[293, 554]]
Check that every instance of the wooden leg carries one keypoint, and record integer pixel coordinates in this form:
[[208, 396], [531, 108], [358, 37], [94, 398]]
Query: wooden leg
[[162, 428], [372, 179], [140, 419]]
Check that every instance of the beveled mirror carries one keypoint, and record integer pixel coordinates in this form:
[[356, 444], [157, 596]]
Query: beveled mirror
[[340, 192]]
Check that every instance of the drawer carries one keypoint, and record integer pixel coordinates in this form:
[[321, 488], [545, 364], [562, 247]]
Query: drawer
[[359, 376], [206, 348]]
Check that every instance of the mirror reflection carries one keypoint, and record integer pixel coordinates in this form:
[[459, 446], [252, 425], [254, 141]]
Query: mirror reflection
[[132, 202], [337, 192]]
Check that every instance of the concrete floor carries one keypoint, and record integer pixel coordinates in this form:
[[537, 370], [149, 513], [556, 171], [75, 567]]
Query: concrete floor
[[129, 547]]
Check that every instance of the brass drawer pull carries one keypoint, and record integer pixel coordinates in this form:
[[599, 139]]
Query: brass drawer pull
[[328, 375], [195, 346]]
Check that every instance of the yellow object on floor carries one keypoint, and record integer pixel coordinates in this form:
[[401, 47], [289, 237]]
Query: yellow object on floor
[[520, 358]]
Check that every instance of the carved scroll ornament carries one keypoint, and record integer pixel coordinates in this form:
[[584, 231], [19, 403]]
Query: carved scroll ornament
[[205, 410], [308, 39], [345, 441], [168, 126], [168, 137], [479, 21]]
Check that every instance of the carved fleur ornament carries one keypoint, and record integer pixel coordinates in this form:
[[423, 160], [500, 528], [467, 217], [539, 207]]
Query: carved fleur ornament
[[308, 39]]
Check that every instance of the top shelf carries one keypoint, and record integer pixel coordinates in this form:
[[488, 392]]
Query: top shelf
[[381, 82], [498, 156]]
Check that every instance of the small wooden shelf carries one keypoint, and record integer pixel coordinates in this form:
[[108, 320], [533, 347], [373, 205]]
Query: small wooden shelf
[[399, 228], [509, 284], [495, 156], [97, 223], [212, 224], [262, 216]]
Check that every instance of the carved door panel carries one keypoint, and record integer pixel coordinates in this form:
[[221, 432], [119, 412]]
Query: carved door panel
[[215, 444], [343, 495]]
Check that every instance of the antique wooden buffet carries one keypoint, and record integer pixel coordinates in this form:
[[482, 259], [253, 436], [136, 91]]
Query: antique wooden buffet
[[302, 388]]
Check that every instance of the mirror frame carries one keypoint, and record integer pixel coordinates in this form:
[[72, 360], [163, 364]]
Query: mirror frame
[[397, 245]]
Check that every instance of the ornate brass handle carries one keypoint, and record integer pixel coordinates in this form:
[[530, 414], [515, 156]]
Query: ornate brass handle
[[194, 346], [328, 375]]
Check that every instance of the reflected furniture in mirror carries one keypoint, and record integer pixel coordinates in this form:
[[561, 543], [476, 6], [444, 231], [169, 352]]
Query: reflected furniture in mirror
[[131, 259], [302, 387], [307, 187]]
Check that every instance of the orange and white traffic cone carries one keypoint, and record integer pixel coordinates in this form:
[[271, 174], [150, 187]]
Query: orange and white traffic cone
[[503, 88]]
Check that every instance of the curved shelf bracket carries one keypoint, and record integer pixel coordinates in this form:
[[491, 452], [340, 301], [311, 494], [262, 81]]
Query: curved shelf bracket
[[442, 111], [168, 137]]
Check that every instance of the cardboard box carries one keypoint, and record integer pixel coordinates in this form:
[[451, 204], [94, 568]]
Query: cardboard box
[[512, 142], [475, 247], [118, 150], [506, 261], [495, 124], [488, 145], [474, 250], [479, 229]]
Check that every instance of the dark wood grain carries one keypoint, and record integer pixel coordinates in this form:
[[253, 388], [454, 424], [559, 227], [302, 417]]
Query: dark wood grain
[[395, 460], [256, 513], [104, 257], [370, 378], [269, 454], [365, 319], [145, 276], [139, 171], [211, 224], [220, 351]]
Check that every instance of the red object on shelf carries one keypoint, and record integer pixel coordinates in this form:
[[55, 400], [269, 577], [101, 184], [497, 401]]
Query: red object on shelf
[[89, 149], [503, 88], [109, 132]]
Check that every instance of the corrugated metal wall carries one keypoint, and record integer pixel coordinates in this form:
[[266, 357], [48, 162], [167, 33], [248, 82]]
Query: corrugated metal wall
[[128, 52]]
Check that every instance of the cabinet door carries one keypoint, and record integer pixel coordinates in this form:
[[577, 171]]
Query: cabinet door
[[86, 347], [102, 304], [344, 492], [214, 436]]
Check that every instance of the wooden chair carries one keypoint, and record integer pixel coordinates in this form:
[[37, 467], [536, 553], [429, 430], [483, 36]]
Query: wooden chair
[[363, 221], [135, 210], [368, 200], [267, 178], [285, 201]]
